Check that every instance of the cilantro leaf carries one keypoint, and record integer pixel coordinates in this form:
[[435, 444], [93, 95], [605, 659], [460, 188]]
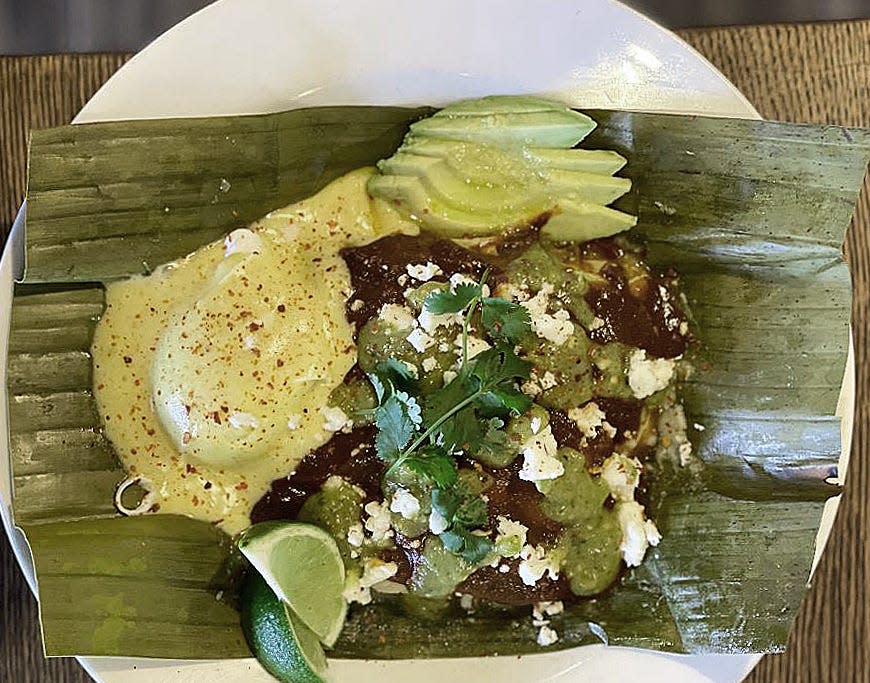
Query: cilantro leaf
[[462, 431], [469, 546], [446, 501], [395, 427], [435, 464], [390, 375], [424, 431], [475, 547], [472, 512], [499, 368], [504, 319], [488, 389], [496, 449], [440, 401], [464, 510], [509, 397], [446, 301], [453, 541]]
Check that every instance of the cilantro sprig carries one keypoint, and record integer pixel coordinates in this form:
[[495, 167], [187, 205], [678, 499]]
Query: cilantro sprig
[[504, 320], [424, 432]]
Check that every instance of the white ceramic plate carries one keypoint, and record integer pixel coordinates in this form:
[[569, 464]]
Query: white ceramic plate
[[252, 56]]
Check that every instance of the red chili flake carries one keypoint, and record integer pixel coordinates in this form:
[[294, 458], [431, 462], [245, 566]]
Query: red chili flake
[[195, 501], [241, 486], [101, 386], [137, 382], [253, 327], [154, 508], [150, 432], [331, 223], [133, 452], [190, 469], [256, 351], [225, 409], [128, 360]]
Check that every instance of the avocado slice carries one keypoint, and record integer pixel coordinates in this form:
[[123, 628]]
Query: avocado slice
[[538, 128], [408, 193], [574, 221], [600, 161], [500, 104]]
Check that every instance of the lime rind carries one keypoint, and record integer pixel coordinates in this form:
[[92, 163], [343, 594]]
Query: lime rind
[[285, 646], [303, 567]]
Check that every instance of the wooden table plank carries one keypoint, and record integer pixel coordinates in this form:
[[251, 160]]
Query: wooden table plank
[[816, 73]]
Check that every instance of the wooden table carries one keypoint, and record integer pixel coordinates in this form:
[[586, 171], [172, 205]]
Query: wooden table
[[815, 73]]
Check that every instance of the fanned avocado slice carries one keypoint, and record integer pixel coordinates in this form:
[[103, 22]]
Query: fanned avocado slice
[[499, 104], [554, 128], [601, 161], [574, 221], [447, 220]]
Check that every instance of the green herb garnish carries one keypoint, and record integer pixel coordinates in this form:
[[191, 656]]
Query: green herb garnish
[[424, 431], [464, 511]]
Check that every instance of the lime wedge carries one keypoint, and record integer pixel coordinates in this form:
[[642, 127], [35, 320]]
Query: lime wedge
[[302, 565], [286, 648]]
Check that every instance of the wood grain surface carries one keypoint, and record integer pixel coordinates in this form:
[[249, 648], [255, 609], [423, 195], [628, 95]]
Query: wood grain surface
[[814, 73]]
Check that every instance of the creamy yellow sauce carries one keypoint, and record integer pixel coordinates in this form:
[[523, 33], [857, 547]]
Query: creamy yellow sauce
[[210, 374]]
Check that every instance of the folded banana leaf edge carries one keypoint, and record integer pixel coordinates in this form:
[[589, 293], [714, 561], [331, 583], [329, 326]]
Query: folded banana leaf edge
[[751, 214]]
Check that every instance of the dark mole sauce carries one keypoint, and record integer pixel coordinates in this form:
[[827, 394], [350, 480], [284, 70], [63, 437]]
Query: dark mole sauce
[[364, 468], [650, 320], [507, 588], [376, 268], [624, 416]]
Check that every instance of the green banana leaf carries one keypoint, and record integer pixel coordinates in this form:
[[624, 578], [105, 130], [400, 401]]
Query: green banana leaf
[[751, 214]]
